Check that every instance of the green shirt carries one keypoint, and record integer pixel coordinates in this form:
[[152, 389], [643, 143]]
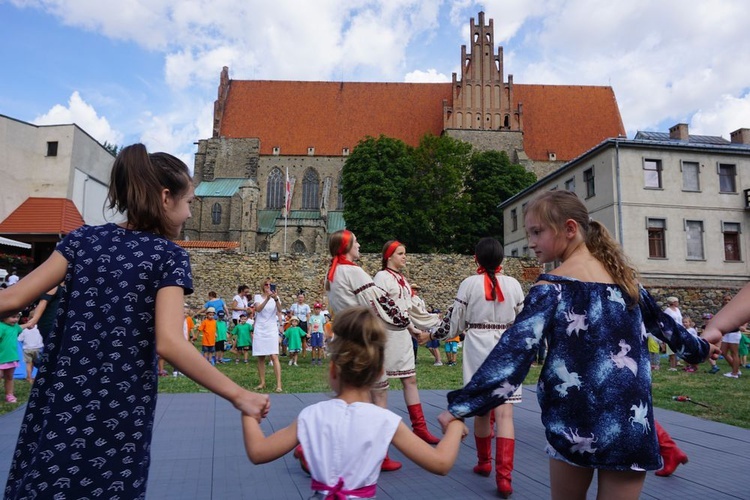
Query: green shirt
[[294, 336], [221, 330], [9, 342], [242, 331]]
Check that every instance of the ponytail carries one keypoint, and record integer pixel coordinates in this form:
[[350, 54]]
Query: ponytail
[[607, 251], [136, 184]]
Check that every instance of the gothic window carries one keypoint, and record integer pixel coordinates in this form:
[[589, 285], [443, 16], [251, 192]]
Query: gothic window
[[310, 190], [275, 189], [340, 196], [216, 214], [299, 247]]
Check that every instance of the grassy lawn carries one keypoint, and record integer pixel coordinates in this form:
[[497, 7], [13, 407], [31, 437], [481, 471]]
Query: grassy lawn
[[727, 399]]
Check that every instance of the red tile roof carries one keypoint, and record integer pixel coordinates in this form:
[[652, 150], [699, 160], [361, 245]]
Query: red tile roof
[[567, 120], [221, 245], [43, 216], [330, 116]]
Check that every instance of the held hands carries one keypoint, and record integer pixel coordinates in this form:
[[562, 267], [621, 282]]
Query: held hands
[[421, 337], [253, 404], [445, 420]]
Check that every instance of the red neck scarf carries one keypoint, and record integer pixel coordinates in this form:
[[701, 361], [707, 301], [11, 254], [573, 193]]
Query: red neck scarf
[[488, 284], [399, 277], [339, 257]]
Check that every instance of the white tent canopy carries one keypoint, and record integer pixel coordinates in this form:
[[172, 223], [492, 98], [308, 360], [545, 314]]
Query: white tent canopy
[[13, 243]]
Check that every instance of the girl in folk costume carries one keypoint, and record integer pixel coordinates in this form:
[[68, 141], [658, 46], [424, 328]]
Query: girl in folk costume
[[346, 438], [595, 386], [399, 354], [485, 306], [349, 285]]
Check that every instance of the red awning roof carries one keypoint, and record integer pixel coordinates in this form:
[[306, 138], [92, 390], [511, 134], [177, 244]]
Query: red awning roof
[[43, 216]]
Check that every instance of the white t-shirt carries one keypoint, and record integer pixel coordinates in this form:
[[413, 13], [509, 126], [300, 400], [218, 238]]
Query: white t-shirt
[[31, 339], [241, 301]]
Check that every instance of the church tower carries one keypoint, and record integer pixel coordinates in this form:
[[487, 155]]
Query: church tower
[[481, 100]]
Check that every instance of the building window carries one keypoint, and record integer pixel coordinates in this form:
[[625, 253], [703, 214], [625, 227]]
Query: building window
[[275, 190], [216, 214], [727, 178], [731, 232], [299, 247], [514, 252], [52, 148], [588, 180], [652, 174], [513, 220], [525, 251], [690, 177], [340, 196], [657, 247], [276, 150], [694, 233], [570, 184], [310, 190]]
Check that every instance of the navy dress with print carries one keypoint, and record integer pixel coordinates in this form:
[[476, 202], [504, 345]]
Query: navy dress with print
[[88, 424], [594, 389]]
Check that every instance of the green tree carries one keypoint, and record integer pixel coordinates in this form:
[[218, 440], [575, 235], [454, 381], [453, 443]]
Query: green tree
[[492, 179], [112, 148], [374, 178], [437, 207]]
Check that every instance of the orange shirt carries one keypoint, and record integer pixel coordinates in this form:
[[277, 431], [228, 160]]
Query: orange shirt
[[208, 327]]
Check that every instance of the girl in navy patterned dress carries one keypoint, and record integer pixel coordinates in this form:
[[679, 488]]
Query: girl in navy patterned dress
[[595, 386], [88, 423]]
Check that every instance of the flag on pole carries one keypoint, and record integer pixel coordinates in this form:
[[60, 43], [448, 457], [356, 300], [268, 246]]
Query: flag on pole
[[287, 193]]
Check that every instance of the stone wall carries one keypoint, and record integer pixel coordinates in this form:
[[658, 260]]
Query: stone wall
[[438, 274]]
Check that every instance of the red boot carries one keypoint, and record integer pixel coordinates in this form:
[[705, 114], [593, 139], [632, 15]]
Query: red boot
[[484, 456], [418, 424], [504, 452], [670, 453], [300, 455], [389, 465]]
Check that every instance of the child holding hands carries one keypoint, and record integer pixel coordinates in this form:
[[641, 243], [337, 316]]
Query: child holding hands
[[9, 331], [90, 416], [346, 438], [595, 386]]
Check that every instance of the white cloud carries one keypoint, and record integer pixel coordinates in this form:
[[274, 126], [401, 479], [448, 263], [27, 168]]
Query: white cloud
[[429, 76], [82, 114], [728, 114]]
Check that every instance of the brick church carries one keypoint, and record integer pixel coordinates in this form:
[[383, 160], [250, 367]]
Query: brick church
[[262, 129]]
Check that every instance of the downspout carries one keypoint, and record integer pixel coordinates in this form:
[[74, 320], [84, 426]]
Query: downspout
[[619, 191]]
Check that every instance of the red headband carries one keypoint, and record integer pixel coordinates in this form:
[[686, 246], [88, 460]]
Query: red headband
[[346, 238], [392, 248]]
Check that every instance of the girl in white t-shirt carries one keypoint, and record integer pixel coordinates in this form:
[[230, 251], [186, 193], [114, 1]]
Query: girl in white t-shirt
[[346, 438]]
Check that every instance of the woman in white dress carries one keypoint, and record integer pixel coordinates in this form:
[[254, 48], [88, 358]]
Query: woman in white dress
[[485, 306], [349, 285], [399, 353], [266, 333]]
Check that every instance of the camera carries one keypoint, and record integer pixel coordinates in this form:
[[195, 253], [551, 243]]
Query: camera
[[273, 287]]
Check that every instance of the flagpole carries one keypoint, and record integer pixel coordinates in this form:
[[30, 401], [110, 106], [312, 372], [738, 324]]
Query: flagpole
[[287, 204]]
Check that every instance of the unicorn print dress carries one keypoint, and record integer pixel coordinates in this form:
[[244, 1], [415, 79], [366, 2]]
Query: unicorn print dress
[[595, 386]]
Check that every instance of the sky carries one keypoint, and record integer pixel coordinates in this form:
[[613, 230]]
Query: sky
[[148, 70]]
